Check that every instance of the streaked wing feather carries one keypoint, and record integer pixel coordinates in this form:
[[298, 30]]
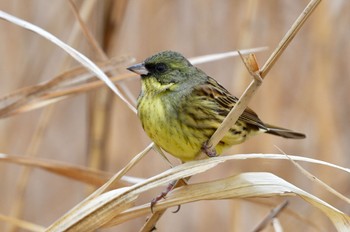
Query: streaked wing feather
[[226, 100]]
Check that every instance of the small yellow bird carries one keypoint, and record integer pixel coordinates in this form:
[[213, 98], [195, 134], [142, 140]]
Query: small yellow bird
[[180, 107]]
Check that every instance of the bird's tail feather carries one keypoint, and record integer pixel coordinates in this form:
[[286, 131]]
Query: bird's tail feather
[[274, 130]]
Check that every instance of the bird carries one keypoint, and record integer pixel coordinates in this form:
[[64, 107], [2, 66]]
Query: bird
[[180, 107]]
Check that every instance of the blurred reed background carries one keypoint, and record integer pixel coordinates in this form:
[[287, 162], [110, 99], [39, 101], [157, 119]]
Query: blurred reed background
[[307, 91]]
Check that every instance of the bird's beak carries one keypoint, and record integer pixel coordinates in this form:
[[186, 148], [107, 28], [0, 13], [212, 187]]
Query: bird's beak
[[138, 68]]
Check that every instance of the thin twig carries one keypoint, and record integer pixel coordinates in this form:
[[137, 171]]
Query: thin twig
[[87, 32], [273, 213], [289, 36]]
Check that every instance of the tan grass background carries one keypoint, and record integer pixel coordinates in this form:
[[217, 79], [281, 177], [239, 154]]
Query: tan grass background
[[307, 90]]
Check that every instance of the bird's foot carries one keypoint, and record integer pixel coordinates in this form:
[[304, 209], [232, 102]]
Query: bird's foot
[[163, 194], [208, 150]]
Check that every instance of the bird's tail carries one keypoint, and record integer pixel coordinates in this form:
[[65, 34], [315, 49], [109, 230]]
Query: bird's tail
[[274, 130]]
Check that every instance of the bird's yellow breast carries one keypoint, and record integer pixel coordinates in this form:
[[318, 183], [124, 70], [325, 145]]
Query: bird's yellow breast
[[160, 122]]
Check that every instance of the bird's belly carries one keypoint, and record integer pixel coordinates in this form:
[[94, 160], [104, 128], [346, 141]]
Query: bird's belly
[[162, 125]]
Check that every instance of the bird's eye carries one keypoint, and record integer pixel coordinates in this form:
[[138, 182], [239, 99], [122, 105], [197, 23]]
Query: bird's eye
[[161, 68]]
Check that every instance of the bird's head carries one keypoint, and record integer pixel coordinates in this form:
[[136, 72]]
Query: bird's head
[[165, 69]]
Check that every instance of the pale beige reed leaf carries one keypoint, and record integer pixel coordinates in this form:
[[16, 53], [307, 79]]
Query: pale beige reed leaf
[[245, 185], [74, 172]]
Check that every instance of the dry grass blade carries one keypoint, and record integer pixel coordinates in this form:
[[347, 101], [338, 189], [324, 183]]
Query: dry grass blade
[[224, 55], [71, 51], [75, 172], [320, 182], [245, 185], [96, 212], [283, 157], [79, 173], [22, 224]]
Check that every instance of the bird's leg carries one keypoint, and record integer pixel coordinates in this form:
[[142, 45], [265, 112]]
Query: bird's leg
[[208, 150], [163, 194]]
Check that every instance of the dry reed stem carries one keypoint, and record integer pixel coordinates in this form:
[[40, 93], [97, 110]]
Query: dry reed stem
[[91, 39], [289, 36], [273, 213]]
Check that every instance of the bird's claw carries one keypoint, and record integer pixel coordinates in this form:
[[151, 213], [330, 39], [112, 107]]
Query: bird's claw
[[178, 209], [157, 198], [208, 150], [162, 196]]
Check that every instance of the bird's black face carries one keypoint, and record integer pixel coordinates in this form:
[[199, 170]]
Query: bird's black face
[[157, 68]]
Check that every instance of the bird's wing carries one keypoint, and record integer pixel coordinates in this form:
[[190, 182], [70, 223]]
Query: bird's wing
[[225, 100]]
